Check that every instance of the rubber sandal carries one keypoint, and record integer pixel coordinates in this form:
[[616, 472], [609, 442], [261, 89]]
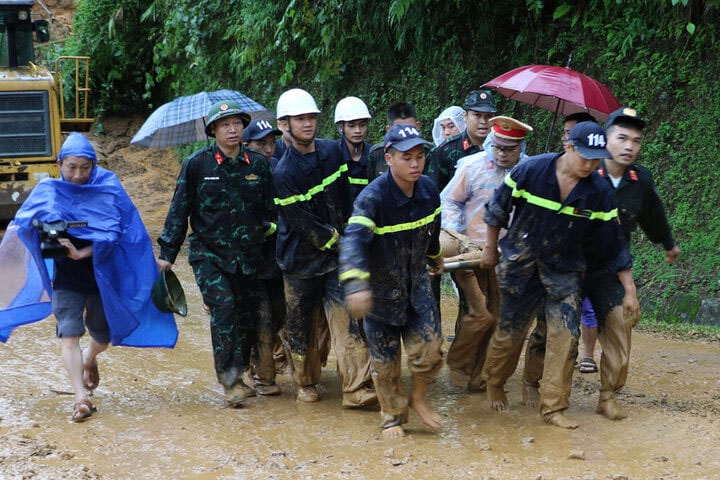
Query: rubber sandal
[[82, 410], [588, 365]]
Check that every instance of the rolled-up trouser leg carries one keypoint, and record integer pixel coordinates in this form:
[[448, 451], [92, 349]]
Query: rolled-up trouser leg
[[233, 300], [615, 339], [563, 331], [349, 344], [301, 295], [535, 352], [422, 339], [272, 317], [384, 345]]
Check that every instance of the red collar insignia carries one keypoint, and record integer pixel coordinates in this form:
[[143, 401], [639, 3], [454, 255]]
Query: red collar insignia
[[219, 158], [633, 175], [466, 144], [601, 171], [246, 158]]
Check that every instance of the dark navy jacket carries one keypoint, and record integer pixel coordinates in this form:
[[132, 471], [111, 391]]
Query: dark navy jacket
[[548, 233], [358, 173], [313, 202], [387, 244]]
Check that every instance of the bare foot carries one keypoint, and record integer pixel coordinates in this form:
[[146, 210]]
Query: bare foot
[[394, 432], [530, 396], [497, 399], [611, 409], [428, 417], [560, 420]]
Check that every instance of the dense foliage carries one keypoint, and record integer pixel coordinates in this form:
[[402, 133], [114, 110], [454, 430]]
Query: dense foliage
[[659, 56]]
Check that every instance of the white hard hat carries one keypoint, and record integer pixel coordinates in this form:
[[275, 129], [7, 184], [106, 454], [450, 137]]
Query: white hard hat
[[294, 102], [351, 108]]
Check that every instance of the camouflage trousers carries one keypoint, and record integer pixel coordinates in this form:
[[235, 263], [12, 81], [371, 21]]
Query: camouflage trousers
[[233, 300], [558, 294]]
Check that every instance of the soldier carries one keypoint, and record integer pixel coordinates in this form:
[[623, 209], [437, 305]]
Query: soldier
[[389, 242], [400, 112], [226, 191], [314, 202], [479, 109], [558, 202], [351, 119], [464, 231], [638, 203]]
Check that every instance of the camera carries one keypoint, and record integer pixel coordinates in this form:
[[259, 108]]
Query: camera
[[49, 234]]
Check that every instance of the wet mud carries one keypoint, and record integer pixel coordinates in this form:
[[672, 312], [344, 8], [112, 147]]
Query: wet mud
[[160, 412]]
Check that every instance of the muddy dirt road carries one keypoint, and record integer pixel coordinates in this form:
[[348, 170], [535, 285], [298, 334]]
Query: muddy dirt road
[[160, 412]]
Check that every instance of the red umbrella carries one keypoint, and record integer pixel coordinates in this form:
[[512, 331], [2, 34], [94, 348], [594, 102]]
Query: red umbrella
[[558, 89]]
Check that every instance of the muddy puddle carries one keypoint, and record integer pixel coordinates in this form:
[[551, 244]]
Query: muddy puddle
[[160, 412]]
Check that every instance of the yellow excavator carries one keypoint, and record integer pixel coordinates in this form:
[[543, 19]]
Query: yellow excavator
[[33, 110]]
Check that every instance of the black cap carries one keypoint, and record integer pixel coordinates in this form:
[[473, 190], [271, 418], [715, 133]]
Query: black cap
[[480, 101], [625, 115], [259, 129], [589, 140], [403, 137], [579, 117]]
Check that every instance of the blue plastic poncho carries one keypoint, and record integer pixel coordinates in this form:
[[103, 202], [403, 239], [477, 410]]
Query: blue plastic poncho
[[123, 259]]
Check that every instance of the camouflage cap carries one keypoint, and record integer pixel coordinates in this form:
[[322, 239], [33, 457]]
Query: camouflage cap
[[222, 109], [480, 101]]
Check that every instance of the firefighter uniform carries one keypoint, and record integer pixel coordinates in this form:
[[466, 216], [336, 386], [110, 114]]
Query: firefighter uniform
[[314, 201], [229, 204], [388, 242], [542, 265], [358, 171]]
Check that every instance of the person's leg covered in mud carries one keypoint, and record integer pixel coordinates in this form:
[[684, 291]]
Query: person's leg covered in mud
[[534, 361], [615, 333], [233, 300], [271, 319], [518, 307], [301, 330], [477, 320], [350, 347]]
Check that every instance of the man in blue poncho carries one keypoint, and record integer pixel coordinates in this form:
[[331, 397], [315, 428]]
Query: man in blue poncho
[[93, 284]]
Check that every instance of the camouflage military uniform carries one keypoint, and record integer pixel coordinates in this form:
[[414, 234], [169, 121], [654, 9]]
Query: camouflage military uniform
[[440, 166], [376, 161], [229, 204]]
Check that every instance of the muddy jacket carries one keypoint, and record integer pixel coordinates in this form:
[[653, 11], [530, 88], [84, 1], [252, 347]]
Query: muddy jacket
[[229, 203], [358, 172], [376, 161], [549, 233], [387, 244], [441, 162], [313, 201]]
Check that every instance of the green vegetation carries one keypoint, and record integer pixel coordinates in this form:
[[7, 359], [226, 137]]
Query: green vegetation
[[659, 56]]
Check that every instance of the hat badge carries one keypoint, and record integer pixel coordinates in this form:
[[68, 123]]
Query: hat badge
[[505, 126], [630, 112], [223, 107], [483, 95]]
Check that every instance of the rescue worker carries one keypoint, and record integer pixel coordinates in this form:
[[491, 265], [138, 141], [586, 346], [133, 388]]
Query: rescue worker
[[638, 203], [269, 351], [398, 113], [573, 119], [226, 191], [314, 203], [351, 120], [464, 231], [479, 109], [390, 240], [559, 202], [449, 123]]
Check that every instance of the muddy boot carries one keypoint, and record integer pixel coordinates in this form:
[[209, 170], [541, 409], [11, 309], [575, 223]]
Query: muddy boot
[[477, 386], [235, 396], [307, 394], [267, 390], [611, 409], [229, 377], [364, 397], [559, 420]]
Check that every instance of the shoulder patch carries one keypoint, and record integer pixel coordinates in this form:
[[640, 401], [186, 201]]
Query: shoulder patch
[[466, 144]]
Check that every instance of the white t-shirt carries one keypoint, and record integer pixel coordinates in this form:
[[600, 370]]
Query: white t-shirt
[[615, 180]]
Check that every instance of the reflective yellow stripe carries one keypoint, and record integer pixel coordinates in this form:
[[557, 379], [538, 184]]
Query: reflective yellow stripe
[[270, 230], [330, 242], [298, 356], [365, 221], [358, 181], [354, 274], [409, 225], [304, 197], [433, 257], [557, 206]]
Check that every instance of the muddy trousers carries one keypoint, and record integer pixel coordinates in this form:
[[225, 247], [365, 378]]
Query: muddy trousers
[[614, 334], [304, 335], [563, 331], [271, 320], [233, 300], [477, 318], [422, 339]]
